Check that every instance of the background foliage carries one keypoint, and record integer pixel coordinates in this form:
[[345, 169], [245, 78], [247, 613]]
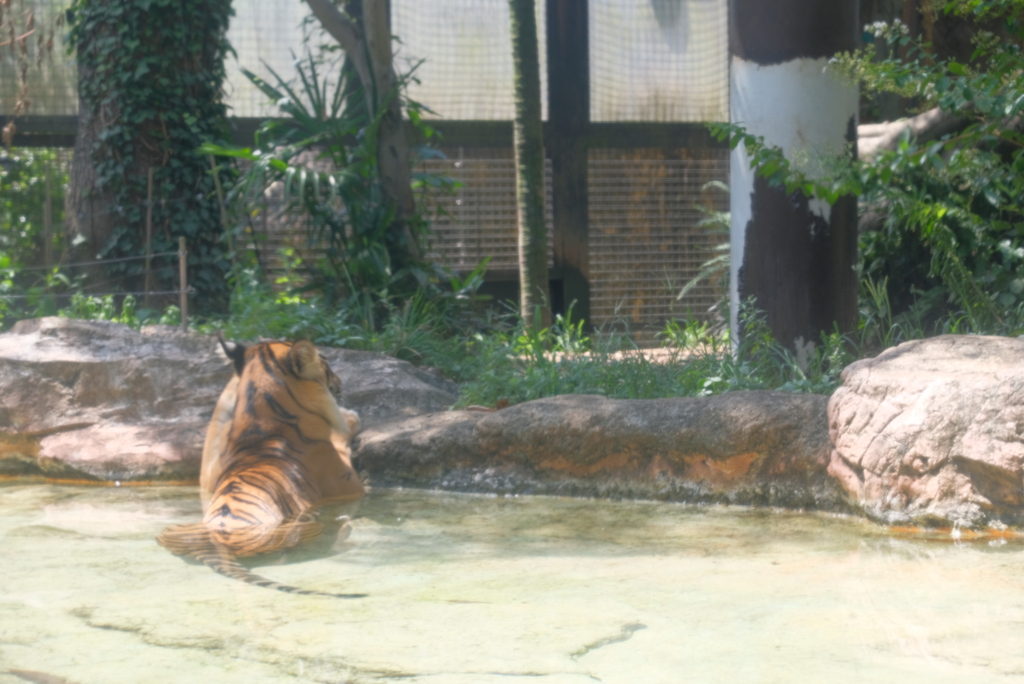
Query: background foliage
[[22, 233], [322, 157], [155, 75]]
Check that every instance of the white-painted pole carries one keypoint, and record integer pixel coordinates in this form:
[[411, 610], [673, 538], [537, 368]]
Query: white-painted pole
[[795, 256]]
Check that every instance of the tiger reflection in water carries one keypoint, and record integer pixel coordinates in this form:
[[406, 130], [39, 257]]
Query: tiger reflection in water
[[276, 448]]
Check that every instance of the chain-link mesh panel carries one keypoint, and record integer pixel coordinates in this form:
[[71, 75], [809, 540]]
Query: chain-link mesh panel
[[51, 75], [478, 219], [645, 244], [644, 241], [659, 60], [264, 33], [467, 53]]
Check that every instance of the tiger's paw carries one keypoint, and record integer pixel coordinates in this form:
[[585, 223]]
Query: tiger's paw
[[345, 530], [352, 421]]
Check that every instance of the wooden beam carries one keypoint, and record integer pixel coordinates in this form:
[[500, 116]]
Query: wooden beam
[[59, 131], [566, 142]]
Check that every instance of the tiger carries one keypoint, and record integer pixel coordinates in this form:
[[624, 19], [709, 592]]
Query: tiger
[[276, 447]]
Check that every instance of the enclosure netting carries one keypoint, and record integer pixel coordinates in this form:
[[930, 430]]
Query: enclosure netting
[[644, 242], [659, 60], [51, 75], [650, 61], [263, 33], [461, 51]]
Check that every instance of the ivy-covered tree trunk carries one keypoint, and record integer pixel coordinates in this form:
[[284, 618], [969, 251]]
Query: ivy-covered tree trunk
[[534, 289], [150, 92]]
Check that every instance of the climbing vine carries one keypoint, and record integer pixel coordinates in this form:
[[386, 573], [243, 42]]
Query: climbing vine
[[151, 74]]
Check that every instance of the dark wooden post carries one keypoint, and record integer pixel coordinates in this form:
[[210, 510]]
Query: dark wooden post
[[793, 255], [568, 118]]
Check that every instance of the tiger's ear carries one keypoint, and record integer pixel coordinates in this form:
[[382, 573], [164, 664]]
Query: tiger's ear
[[234, 351], [305, 360]]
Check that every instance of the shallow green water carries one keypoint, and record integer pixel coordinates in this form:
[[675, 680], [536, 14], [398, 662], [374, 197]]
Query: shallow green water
[[468, 589]]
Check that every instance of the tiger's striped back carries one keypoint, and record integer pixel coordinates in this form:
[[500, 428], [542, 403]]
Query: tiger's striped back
[[271, 456]]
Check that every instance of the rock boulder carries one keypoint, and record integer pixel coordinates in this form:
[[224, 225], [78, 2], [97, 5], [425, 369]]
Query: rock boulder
[[932, 432], [764, 448]]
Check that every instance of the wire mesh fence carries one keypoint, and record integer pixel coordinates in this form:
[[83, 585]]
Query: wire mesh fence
[[661, 60], [263, 33], [645, 244], [644, 241], [653, 61], [479, 218], [51, 76], [466, 52]]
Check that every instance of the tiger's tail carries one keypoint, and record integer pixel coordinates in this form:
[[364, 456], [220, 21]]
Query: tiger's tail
[[194, 540]]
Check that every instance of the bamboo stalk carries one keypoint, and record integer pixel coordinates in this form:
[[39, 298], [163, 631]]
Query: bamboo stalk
[[183, 278], [223, 210], [48, 222]]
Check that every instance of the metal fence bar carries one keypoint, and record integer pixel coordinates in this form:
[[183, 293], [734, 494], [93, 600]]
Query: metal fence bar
[[87, 263], [190, 290]]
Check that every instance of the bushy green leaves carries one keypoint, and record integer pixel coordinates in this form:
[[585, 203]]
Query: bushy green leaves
[[323, 157], [522, 364], [25, 293]]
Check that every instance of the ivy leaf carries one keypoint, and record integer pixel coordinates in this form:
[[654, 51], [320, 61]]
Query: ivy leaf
[[992, 196], [141, 70]]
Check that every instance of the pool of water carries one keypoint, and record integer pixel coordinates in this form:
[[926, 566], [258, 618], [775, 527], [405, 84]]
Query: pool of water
[[471, 589]]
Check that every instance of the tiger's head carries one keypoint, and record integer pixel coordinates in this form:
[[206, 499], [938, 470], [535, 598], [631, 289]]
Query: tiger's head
[[299, 359]]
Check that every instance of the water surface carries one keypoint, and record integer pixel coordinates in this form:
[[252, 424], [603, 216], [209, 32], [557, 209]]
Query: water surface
[[471, 589]]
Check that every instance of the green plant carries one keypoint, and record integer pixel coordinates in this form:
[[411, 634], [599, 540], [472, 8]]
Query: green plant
[[715, 269], [692, 334], [27, 287], [105, 308], [324, 154], [519, 365]]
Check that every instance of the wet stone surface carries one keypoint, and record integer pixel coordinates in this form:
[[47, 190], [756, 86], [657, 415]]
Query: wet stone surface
[[466, 588]]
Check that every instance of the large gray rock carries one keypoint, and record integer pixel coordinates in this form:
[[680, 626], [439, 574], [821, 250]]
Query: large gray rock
[[765, 448], [932, 432], [91, 399]]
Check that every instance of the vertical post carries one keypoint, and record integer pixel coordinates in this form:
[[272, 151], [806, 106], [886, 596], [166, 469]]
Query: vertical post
[[568, 117], [223, 210], [795, 256], [183, 279], [149, 239], [48, 222], [528, 140]]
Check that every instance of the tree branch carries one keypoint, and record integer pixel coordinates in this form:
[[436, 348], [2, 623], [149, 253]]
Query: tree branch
[[930, 125], [347, 34]]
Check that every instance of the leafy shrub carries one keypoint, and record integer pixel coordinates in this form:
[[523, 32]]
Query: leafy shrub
[[520, 364], [26, 287]]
